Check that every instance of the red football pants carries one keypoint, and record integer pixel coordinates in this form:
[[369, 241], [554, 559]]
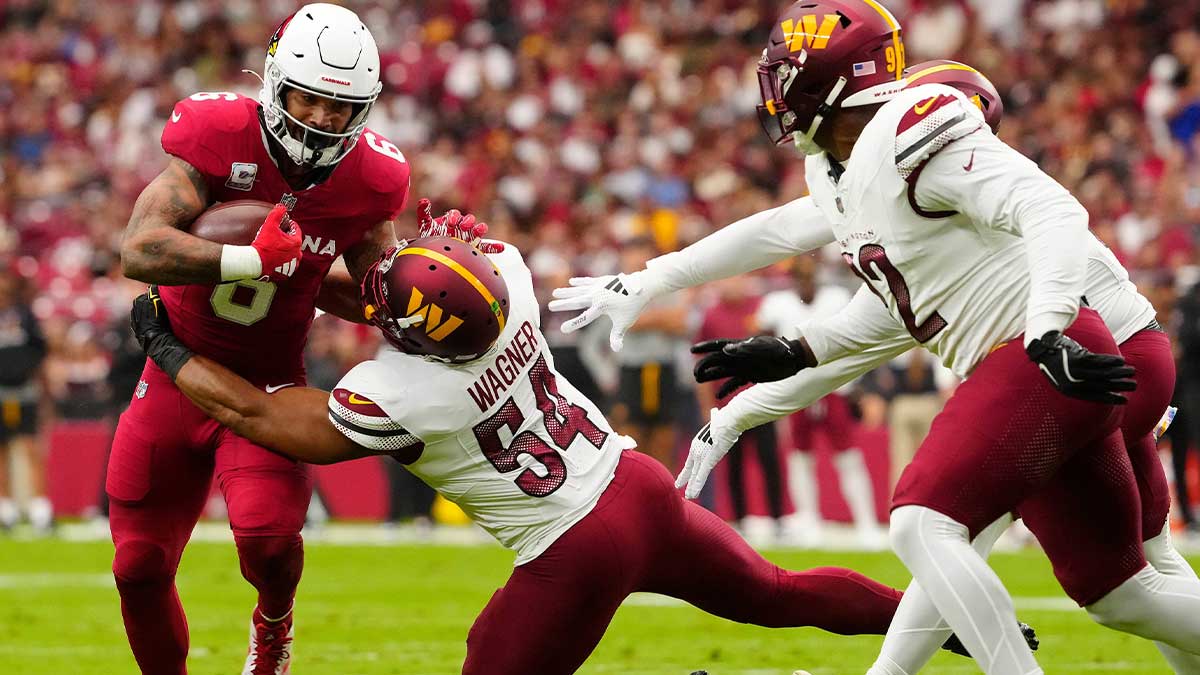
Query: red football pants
[[1008, 440], [642, 536], [164, 455]]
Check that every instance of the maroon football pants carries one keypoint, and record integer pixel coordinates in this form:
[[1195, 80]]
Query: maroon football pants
[[1008, 440], [164, 455], [1149, 352], [642, 536]]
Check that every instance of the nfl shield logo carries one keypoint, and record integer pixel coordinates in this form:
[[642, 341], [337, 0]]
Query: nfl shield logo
[[142, 386], [241, 176]]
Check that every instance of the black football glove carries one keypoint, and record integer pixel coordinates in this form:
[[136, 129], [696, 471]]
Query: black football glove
[[955, 646], [764, 358], [1079, 373], [153, 332]]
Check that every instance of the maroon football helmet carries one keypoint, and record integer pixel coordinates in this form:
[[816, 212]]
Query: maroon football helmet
[[438, 297], [823, 55], [964, 78]]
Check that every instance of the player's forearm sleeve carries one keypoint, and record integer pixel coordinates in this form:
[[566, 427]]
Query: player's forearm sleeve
[[1005, 191], [748, 244], [769, 401], [863, 324]]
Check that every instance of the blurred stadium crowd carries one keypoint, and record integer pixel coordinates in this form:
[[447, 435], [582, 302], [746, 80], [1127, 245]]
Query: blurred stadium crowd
[[593, 135]]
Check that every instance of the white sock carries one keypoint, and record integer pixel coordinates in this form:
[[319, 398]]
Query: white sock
[[1162, 555], [963, 587], [8, 512], [918, 631], [802, 485], [41, 512], [1154, 606], [857, 489]]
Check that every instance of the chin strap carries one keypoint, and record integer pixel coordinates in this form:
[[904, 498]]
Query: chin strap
[[805, 142]]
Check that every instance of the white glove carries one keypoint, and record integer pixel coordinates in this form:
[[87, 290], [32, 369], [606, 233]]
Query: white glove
[[709, 445], [621, 298]]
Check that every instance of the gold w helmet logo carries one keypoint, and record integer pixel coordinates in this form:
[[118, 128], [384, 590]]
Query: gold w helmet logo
[[437, 323], [807, 34]]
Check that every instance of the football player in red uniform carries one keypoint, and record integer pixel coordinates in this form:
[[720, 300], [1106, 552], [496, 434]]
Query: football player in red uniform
[[250, 308]]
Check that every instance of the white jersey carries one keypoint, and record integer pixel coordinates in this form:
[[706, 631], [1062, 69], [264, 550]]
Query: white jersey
[[984, 246], [1110, 292], [514, 445]]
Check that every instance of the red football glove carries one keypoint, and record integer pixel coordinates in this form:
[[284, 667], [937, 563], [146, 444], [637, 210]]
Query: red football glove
[[278, 245], [454, 224]]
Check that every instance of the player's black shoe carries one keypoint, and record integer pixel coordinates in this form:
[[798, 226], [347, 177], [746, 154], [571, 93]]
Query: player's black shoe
[[955, 646]]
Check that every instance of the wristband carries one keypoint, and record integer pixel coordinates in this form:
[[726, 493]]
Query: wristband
[[240, 262], [168, 353]]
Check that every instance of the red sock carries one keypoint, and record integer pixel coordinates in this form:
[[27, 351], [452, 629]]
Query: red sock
[[272, 565]]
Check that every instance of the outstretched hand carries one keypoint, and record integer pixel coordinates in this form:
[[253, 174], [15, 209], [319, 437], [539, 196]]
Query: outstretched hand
[[454, 223], [764, 358]]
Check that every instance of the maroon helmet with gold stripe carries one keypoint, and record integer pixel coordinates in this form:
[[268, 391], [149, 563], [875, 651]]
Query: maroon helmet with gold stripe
[[438, 297], [823, 55], [964, 78]]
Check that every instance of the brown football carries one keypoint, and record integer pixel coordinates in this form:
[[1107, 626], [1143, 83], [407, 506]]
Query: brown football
[[235, 222]]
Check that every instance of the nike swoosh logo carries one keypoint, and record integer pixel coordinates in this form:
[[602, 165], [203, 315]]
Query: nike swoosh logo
[[354, 398], [923, 107], [970, 163], [271, 389], [175, 116]]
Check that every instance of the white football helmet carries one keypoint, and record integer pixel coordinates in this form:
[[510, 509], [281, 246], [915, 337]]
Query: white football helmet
[[325, 50]]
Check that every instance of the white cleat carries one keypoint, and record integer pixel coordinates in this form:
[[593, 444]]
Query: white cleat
[[270, 650], [801, 672]]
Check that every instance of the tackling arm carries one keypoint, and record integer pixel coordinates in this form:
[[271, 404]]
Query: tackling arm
[[862, 325], [293, 421], [153, 248], [767, 402]]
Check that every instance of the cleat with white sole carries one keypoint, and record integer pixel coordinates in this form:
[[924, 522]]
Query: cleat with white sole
[[270, 651]]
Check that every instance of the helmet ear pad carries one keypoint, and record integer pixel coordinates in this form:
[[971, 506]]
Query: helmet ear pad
[[438, 297]]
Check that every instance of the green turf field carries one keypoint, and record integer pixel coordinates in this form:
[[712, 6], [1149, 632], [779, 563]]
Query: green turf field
[[405, 610]]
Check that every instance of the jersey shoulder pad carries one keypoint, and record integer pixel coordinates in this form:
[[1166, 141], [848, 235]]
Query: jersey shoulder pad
[[517, 276], [384, 170], [355, 410], [203, 129], [933, 116]]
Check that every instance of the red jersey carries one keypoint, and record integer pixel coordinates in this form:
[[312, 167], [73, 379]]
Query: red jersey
[[256, 328]]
